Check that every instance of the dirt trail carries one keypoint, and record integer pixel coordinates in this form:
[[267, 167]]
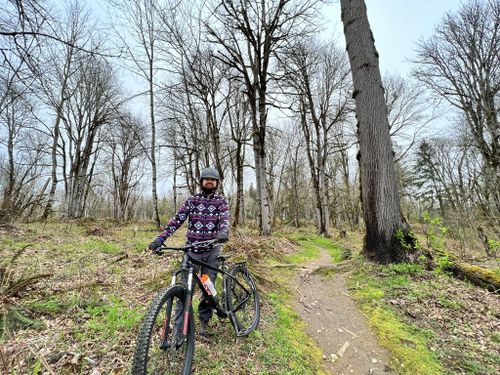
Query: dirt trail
[[339, 329]]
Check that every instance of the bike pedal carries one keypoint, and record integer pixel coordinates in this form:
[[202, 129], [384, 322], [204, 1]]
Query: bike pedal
[[166, 344]]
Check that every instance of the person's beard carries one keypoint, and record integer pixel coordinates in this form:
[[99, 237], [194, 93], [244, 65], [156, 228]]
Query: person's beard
[[209, 190]]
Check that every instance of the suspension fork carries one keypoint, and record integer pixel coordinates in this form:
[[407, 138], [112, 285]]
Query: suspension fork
[[187, 301], [168, 311]]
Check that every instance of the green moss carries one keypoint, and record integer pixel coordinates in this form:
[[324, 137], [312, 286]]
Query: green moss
[[289, 346], [308, 252], [407, 343], [311, 245], [492, 276], [409, 347]]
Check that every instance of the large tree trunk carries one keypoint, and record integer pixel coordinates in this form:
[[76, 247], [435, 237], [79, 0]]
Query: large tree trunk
[[262, 198], [381, 202], [325, 209]]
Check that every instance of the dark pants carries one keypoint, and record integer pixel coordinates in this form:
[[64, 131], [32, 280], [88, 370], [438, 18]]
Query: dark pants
[[204, 310], [210, 257]]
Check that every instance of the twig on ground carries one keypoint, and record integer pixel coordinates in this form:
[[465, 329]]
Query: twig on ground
[[351, 333], [42, 360], [4, 362]]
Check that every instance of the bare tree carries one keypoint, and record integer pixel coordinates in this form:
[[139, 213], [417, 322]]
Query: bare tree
[[409, 110], [379, 188], [320, 78], [207, 84], [21, 174], [293, 202], [19, 46], [143, 19], [60, 64], [251, 35], [239, 124], [125, 164], [460, 64], [85, 113], [343, 177], [185, 133]]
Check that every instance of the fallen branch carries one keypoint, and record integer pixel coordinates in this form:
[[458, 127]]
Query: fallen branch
[[301, 300], [121, 256], [282, 265]]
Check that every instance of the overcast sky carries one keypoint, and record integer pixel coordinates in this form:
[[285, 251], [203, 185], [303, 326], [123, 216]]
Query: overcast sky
[[397, 25]]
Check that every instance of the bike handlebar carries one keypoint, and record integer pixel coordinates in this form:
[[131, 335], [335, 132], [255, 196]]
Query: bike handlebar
[[185, 248]]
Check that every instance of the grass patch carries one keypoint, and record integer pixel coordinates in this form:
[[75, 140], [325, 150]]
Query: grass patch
[[311, 245], [51, 306], [405, 269], [495, 337], [408, 344], [309, 252], [449, 303], [101, 245], [289, 346], [106, 320], [96, 304]]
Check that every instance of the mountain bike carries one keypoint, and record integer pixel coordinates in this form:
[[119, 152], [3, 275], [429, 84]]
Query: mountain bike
[[165, 344]]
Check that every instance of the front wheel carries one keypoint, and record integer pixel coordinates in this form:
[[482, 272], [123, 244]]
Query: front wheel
[[243, 300], [161, 347]]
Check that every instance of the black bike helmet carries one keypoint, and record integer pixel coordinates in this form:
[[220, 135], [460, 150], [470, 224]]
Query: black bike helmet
[[209, 173]]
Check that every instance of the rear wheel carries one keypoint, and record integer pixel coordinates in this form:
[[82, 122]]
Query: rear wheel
[[161, 349], [243, 300]]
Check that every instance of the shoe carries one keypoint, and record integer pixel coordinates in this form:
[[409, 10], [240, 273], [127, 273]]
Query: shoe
[[205, 330], [167, 344]]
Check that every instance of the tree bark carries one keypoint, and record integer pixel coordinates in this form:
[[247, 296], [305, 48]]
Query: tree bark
[[154, 192], [262, 198], [239, 212], [52, 192], [380, 198]]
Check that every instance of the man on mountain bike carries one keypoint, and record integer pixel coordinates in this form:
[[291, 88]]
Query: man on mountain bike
[[208, 219]]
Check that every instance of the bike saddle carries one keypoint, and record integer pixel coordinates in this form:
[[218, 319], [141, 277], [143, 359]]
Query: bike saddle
[[223, 257]]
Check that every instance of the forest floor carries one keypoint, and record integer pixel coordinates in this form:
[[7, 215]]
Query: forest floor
[[73, 294], [409, 320], [336, 324]]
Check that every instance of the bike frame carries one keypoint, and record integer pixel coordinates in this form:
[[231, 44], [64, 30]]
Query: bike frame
[[188, 274]]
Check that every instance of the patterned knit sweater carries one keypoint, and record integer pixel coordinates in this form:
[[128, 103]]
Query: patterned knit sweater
[[208, 215]]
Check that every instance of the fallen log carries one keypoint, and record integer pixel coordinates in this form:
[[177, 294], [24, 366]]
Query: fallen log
[[477, 275], [480, 276]]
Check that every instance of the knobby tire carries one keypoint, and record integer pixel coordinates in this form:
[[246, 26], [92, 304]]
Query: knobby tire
[[149, 357], [244, 299]]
